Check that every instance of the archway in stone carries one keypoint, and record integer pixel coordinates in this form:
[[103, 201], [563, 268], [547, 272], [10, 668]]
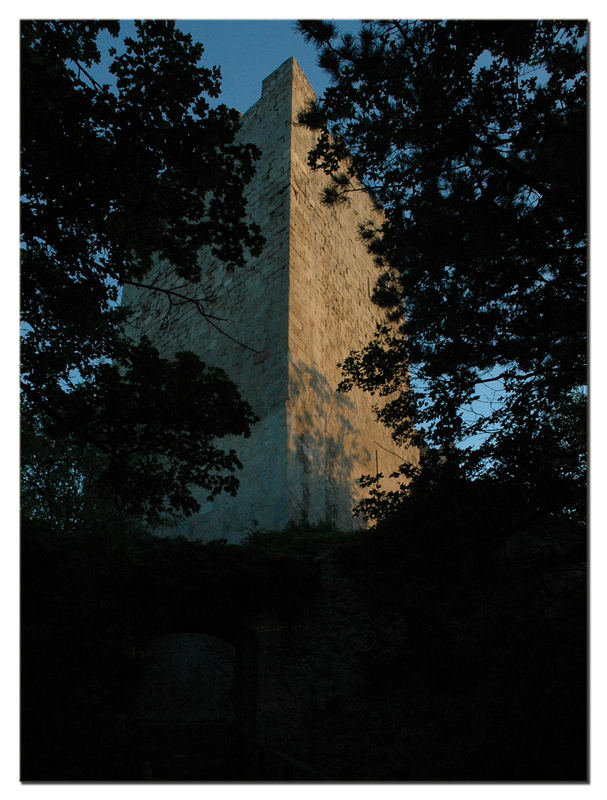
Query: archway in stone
[[187, 708]]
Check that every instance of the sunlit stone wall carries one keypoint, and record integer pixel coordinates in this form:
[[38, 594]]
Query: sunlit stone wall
[[303, 305]]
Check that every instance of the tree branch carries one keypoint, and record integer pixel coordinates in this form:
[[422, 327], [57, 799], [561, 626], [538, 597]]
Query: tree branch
[[170, 293]]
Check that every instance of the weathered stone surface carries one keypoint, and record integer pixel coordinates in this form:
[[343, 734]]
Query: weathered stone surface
[[302, 306]]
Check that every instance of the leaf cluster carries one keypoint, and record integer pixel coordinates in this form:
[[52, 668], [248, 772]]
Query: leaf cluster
[[472, 136], [113, 179], [136, 437]]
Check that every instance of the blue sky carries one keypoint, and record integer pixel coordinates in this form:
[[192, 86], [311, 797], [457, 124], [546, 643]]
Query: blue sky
[[247, 51], [265, 44]]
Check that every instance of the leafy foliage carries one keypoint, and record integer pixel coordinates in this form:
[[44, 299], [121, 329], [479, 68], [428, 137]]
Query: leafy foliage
[[489, 588], [158, 439], [111, 181], [468, 598], [472, 138]]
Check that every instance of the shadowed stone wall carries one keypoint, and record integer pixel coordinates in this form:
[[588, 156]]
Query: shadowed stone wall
[[303, 305], [188, 677]]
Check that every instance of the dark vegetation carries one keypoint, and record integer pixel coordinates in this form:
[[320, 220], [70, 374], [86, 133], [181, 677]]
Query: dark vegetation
[[113, 181], [479, 561], [89, 610], [494, 601], [472, 137], [486, 682]]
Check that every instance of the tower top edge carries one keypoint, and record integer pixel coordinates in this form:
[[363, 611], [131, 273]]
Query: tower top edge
[[289, 71]]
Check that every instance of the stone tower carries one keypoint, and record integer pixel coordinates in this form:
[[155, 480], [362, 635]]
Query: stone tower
[[302, 305]]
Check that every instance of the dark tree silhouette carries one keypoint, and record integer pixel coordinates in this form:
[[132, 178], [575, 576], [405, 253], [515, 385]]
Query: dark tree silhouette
[[472, 137], [111, 181]]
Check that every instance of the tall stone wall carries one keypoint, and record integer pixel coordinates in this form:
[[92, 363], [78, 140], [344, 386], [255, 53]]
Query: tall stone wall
[[302, 305], [333, 437]]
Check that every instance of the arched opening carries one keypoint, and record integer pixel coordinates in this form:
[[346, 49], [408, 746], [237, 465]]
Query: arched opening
[[195, 705]]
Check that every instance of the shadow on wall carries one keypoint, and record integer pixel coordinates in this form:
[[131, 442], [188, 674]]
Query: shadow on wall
[[330, 445]]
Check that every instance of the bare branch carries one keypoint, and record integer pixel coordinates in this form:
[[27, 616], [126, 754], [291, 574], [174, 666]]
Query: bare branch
[[196, 302]]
